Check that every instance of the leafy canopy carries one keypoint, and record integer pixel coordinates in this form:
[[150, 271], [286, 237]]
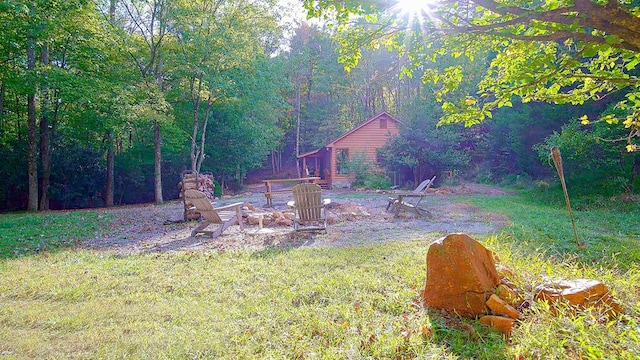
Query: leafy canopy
[[556, 51]]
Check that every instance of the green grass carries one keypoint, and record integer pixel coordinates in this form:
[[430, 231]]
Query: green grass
[[329, 303], [27, 233], [611, 235]]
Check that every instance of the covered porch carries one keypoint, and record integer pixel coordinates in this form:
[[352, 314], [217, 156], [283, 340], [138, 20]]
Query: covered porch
[[317, 163]]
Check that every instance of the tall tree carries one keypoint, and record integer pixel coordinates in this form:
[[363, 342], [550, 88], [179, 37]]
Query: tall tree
[[45, 132], [215, 37], [108, 193], [146, 21], [60, 33], [558, 52], [31, 113], [248, 120], [321, 89]]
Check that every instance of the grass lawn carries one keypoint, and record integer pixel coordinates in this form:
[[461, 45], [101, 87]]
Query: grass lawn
[[57, 301]]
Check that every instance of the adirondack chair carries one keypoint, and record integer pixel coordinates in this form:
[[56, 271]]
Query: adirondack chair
[[310, 208], [225, 216], [410, 201]]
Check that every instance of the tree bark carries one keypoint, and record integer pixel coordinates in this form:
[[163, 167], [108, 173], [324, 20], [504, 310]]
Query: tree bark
[[112, 11], [157, 136], [157, 171], [32, 158], [273, 162], [203, 134], [45, 137], [195, 152], [298, 133], [108, 193]]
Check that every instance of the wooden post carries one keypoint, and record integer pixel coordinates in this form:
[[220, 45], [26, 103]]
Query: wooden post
[[557, 161]]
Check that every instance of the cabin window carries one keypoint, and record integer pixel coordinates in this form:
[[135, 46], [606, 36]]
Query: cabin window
[[342, 157], [383, 123]]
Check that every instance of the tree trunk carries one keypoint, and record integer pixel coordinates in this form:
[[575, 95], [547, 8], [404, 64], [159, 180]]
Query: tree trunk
[[195, 152], [108, 193], [45, 136], [157, 136], [279, 160], [45, 159], [203, 135], [112, 11], [222, 183], [32, 159], [157, 162], [273, 162], [298, 134]]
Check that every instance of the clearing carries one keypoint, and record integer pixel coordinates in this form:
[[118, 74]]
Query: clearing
[[362, 220]]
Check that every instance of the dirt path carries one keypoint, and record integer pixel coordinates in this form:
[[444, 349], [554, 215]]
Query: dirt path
[[359, 219]]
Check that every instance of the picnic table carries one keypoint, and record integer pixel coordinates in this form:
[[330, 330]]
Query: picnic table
[[270, 191]]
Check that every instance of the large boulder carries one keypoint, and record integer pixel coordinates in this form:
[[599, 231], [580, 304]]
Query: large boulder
[[461, 275]]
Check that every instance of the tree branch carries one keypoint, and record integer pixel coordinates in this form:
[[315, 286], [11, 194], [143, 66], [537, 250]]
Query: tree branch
[[611, 18]]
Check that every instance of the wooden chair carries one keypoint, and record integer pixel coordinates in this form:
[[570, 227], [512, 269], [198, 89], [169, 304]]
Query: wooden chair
[[410, 201], [311, 209], [225, 216]]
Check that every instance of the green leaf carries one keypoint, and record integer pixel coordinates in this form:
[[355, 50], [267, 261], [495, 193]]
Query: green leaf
[[612, 39], [632, 64], [589, 51]]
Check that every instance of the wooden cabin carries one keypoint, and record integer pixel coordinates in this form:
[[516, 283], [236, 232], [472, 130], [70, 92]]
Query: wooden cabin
[[328, 162]]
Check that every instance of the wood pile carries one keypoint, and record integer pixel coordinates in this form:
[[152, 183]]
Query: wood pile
[[194, 181]]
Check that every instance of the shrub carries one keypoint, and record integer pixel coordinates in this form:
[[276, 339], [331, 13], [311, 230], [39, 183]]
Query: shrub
[[590, 164], [377, 181], [217, 189], [358, 167]]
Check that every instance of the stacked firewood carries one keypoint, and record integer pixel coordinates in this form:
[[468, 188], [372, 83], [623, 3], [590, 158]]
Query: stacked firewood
[[195, 181]]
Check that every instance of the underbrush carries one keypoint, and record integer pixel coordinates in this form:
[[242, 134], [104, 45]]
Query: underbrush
[[581, 198]]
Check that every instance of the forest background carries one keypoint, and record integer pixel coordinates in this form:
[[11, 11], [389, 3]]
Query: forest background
[[108, 102]]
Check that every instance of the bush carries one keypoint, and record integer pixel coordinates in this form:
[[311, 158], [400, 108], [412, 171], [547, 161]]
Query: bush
[[359, 168], [590, 164], [485, 176], [517, 181], [217, 189], [377, 181]]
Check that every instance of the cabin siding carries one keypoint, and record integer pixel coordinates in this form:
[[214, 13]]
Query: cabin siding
[[366, 139]]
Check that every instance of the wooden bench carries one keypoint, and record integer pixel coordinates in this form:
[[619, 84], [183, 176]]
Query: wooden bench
[[270, 191]]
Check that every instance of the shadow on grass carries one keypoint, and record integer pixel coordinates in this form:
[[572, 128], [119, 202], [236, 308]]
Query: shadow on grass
[[23, 234], [466, 338]]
